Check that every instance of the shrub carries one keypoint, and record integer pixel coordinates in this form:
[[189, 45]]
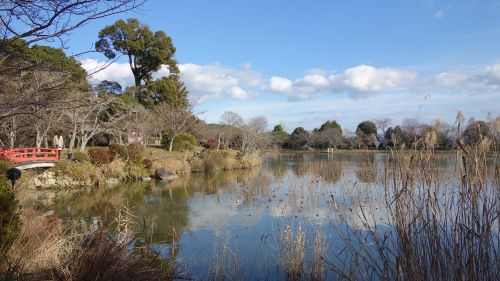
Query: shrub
[[128, 152], [212, 144], [135, 170], [4, 166], [211, 161], [81, 156], [83, 171], [115, 169], [184, 142], [101, 155], [9, 218], [132, 155]]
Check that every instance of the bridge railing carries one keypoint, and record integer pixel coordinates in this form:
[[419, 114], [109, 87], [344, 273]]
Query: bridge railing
[[32, 154]]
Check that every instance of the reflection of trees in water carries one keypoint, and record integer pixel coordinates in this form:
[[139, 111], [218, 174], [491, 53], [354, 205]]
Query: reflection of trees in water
[[366, 168], [163, 211], [300, 168], [101, 205], [278, 167], [210, 183], [330, 171], [366, 175]]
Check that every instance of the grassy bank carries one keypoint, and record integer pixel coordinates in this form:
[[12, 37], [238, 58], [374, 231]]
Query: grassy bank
[[100, 166], [200, 160]]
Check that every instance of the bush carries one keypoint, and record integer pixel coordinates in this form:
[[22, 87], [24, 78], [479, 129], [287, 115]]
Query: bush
[[101, 155], [131, 152], [4, 166], [80, 156], [211, 161], [9, 218], [83, 171], [115, 169], [184, 142], [212, 144], [135, 170]]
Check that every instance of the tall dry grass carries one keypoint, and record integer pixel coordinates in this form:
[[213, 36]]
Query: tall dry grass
[[40, 245], [44, 252], [293, 251], [435, 231], [225, 263]]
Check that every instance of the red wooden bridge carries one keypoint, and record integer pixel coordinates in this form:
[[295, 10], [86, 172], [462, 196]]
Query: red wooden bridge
[[28, 158]]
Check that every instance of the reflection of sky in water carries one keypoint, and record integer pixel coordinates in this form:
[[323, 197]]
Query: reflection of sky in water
[[246, 209]]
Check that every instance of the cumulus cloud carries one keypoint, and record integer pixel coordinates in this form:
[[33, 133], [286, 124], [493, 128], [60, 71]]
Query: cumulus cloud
[[238, 93], [314, 80], [203, 81], [470, 80], [100, 71], [280, 84], [363, 78], [212, 81], [215, 81]]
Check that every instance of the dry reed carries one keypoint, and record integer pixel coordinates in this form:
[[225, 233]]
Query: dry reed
[[436, 231]]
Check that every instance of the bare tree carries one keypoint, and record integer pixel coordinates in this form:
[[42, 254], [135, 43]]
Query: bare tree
[[9, 129], [252, 133], [231, 119], [383, 125], [172, 121], [90, 116], [229, 128], [141, 123]]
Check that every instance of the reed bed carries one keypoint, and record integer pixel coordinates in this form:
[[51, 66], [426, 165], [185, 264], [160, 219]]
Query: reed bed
[[434, 231]]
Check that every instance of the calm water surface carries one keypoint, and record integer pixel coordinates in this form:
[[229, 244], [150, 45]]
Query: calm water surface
[[238, 218]]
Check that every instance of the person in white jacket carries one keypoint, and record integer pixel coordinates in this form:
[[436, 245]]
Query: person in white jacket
[[59, 142]]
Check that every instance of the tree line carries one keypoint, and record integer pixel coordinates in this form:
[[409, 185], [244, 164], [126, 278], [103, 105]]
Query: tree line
[[382, 133]]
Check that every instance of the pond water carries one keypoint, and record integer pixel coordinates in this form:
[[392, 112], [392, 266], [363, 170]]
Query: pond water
[[244, 223]]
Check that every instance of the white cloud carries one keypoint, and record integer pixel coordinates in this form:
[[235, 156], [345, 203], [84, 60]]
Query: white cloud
[[238, 93], [365, 78], [493, 71], [398, 91], [315, 80], [450, 79], [358, 79], [439, 14], [118, 72], [212, 81], [203, 81], [472, 80], [280, 85]]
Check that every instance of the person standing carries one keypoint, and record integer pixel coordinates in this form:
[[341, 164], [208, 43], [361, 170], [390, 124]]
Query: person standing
[[59, 143]]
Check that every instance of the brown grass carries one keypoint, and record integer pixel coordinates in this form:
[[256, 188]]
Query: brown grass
[[437, 232], [43, 252], [293, 251]]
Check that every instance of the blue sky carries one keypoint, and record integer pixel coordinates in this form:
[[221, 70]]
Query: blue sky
[[304, 62]]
